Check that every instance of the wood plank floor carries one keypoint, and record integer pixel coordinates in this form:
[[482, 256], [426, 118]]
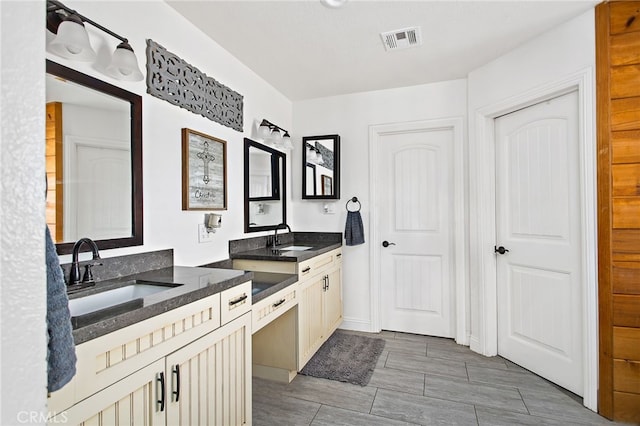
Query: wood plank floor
[[422, 380]]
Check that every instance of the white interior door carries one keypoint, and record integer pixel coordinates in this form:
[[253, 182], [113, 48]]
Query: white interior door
[[97, 188], [538, 220], [416, 215]]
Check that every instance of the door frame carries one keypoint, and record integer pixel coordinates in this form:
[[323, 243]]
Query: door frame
[[459, 278], [482, 223]]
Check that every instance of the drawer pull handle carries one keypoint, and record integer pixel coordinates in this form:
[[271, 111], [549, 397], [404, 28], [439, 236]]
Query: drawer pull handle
[[160, 380], [275, 305], [307, 269], [238, 300], [176, 371], [339, 255]]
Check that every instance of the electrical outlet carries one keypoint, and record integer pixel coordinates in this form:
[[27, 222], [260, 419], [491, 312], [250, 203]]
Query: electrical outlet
[[205, 236], [329, 208]]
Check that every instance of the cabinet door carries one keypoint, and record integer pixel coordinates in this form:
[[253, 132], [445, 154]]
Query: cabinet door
[[310, 310], [333, 302], [209, 380], [135, 400]]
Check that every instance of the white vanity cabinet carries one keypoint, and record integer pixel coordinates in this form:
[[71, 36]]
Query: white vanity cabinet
[[169, 369], [319, 296], [320, 305], [131, 401], [209, 381]]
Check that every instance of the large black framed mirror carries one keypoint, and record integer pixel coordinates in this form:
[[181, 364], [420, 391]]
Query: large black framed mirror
[[94, 161], [321, 167], [265, 204]]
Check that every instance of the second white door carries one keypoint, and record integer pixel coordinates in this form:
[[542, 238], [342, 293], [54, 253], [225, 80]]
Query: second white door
[[540, 287], [416, 210]]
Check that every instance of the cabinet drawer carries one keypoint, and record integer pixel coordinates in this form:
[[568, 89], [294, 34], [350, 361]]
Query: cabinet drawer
[[107, 359], [273, 306], [317, 264], [235, 302]]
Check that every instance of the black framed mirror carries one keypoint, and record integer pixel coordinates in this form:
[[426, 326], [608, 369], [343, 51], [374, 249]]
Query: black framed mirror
[[94, 161], [264, 187], [321, 167]]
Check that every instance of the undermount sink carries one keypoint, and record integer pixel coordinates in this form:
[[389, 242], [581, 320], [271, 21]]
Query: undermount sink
[[118, 296], [294, 248]]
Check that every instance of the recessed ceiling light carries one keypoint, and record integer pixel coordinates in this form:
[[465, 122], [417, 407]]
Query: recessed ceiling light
[[333, 4]]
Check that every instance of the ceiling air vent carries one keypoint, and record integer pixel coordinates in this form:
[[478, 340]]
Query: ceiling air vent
[[401, 39]]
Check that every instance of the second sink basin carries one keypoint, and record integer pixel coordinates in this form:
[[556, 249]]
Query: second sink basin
[[294, 248], [106, 299]]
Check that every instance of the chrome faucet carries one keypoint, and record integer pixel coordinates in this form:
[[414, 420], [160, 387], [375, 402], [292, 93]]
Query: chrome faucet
[[74, 276], [275, 235]]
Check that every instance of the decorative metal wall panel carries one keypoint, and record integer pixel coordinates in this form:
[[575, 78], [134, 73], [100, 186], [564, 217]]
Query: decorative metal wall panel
[[327, 155], [171, 78]]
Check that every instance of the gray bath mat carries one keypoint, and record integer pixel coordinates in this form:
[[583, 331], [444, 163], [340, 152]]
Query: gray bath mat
[[346, 358]]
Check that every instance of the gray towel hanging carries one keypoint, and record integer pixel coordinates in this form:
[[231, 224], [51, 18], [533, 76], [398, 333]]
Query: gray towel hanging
[[354, 229], [61, 354]]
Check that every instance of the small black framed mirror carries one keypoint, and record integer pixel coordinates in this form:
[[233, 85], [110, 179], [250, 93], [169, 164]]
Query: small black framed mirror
[[321, 167], [264, 187]]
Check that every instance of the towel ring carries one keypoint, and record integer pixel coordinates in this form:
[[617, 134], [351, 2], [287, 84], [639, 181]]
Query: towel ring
[[353, 200]]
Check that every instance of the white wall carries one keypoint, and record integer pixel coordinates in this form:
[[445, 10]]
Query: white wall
[[350, 116], [165, 224], [22, 205], [551, 57]]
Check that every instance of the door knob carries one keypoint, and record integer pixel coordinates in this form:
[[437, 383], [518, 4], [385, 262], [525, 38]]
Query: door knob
[[500, 250], [387, 244]]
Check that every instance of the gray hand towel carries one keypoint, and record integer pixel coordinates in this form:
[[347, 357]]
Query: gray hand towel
[[354, 230], [61, 354]]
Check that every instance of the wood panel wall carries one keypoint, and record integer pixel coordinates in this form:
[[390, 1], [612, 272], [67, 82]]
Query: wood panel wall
[[53, 167], [618, 121]]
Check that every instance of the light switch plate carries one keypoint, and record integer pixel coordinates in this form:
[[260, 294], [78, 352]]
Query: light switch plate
[[203, 235]]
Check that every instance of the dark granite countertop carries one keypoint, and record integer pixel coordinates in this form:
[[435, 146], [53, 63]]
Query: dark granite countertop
[[264, 284], [267, 283], [270, 253], [259, 248], [187, 284]]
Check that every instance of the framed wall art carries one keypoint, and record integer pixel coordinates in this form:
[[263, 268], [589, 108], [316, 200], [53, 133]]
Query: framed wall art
[[204, 171], [327, 185]]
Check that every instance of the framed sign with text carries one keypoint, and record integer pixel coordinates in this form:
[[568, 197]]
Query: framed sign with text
[[204, 171]]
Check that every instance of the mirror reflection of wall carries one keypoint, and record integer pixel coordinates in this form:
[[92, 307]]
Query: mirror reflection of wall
[[265, 187], [261, 178], [93, 161], [89, 160], [321, 162]]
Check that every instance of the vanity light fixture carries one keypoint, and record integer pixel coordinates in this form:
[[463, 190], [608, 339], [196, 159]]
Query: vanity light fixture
[[270, 132], [313, 155], [72, 42]]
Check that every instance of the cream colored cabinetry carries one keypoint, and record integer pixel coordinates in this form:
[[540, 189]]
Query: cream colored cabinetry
[[310, 319], [146, 373], [270, 308], [319, 309], [209, 381], [131, 401], [333, 301], [319, 301]]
